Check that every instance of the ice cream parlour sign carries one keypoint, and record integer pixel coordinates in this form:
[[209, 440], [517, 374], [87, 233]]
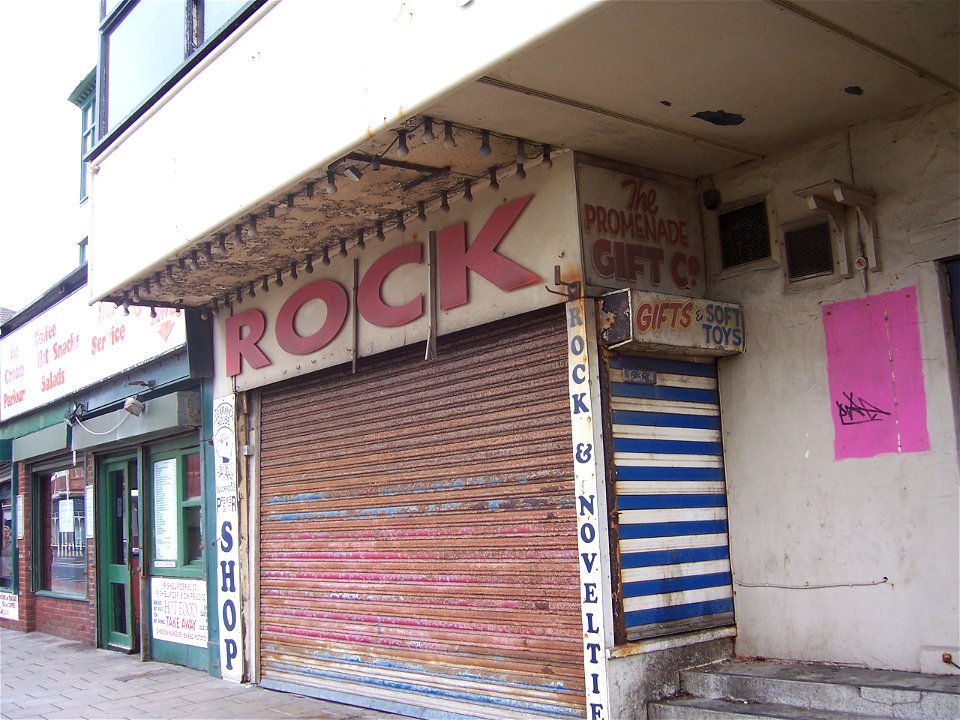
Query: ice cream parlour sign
[[639, 233]]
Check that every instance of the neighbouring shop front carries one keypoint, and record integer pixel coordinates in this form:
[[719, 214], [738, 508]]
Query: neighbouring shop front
[[463, 499], [107, 512]]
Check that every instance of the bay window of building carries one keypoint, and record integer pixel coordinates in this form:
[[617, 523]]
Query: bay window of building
[[146, 44], [61, 559]]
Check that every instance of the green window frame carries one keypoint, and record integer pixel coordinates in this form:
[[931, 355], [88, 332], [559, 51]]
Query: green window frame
[[176, 514], [9, 557], [88, 138]]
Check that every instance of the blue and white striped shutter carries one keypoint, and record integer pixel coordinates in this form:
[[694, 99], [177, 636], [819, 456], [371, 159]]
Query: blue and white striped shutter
[[674, 554]]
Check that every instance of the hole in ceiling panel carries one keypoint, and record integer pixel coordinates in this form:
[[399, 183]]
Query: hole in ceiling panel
[[719, 117]]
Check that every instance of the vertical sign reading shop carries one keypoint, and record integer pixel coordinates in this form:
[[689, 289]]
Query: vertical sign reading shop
[[589, 515], [228, 525]]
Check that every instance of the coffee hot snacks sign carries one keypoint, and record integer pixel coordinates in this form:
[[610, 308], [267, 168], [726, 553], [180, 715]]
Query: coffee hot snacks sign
[[74, 345]]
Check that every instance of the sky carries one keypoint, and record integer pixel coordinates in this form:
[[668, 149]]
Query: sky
[[46, 49]]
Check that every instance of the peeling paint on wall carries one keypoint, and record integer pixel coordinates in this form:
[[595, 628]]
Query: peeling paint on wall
[[875, 373]]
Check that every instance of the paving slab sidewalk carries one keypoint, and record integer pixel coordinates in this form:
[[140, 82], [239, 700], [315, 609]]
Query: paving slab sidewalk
[[46, 677]]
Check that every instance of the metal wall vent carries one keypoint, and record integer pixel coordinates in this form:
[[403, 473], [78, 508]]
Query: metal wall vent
[[809, 252], [744, 235]]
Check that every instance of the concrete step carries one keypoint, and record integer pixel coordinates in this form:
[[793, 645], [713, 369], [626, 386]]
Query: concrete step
[[723, 709], [877, 693]]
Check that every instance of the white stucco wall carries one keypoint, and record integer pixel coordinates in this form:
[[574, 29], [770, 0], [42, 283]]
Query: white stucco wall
[[797, 515]]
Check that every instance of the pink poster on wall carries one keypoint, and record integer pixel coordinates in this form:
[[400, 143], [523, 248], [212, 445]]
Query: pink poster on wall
[[875, 372]]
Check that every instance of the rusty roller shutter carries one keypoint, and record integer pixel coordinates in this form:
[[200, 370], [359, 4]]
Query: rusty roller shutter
[[418, 532]]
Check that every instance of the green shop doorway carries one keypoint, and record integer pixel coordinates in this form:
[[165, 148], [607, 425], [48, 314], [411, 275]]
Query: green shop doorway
[[119, 540]]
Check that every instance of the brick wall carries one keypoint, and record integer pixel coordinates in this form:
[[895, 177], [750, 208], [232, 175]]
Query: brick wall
[[71, 618]]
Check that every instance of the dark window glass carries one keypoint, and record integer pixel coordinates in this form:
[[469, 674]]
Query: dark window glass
[[146, 47], [63, 567]]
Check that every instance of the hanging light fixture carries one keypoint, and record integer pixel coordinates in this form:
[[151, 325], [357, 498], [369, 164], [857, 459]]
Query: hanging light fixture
[[239, 296], [266, 285], [136, 295], [153, 311], [545, 154], [253, 225], [421, 211], [207, 253], [375, 163], [238, 234], [253, 289], [401, 225], [194, 260], [308, 266], [521, 155], [216, 306], [485, 143], [293, 270], [343, 247], [331, 183], [310, 186], [326, 255], [291, 198], [428, 136], [468, 190], [402, 149], [494, 183], [221, 244], [521, 173], [126, 305], [380, 236], [279, 280], [361, 243], [444, 201], [449, 141]]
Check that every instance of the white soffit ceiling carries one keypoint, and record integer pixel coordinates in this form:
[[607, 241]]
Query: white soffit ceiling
[[603, 83]]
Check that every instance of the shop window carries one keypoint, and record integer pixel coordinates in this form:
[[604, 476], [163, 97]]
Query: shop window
[[145, 43], [61, 562], [177, 510], [6, 540]]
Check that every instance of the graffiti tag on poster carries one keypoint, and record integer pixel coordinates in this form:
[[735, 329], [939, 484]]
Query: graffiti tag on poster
[[875, 375], [179, 610]]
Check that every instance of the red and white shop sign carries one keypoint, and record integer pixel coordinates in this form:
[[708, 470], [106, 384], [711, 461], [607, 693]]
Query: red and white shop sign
[[74, 345], [639, 233], [487, 266]]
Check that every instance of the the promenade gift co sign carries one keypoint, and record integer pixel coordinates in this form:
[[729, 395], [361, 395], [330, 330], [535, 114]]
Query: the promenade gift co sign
[[74, 345]]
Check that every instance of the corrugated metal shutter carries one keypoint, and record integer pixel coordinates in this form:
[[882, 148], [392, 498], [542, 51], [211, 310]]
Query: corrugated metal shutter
[[674, 556], [418, 532]]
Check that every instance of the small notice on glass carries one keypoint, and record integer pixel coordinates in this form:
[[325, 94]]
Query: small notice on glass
[[165, 509]]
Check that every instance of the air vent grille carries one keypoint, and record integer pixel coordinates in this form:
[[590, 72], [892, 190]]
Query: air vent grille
[[744, 235], [809, 252]]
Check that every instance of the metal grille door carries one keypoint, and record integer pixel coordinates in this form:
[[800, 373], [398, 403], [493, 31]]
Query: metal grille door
[[418, 532], [674, 556]]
